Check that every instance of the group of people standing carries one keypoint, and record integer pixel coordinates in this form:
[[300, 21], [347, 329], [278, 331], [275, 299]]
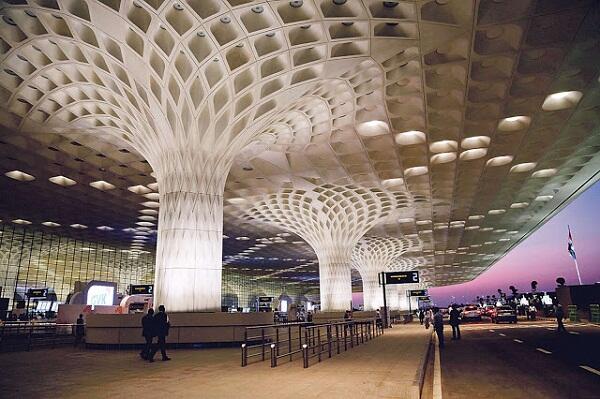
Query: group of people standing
[[434, 316], [155, 325]]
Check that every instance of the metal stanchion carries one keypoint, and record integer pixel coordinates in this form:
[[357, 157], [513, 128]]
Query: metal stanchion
[[262, 342], [345, 337], [329, 339], [273, 356], [277, 340], [244, 355], [337, 338], [290, 342], [305, 355], [319, 342]]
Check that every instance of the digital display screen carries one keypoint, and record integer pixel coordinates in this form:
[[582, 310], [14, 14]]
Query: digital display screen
[[141, 289], [100, 295], [409, 277], [418, 292]]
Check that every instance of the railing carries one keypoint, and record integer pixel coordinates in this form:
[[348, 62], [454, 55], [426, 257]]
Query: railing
[[16, 336], [282, 340], [312, 340]]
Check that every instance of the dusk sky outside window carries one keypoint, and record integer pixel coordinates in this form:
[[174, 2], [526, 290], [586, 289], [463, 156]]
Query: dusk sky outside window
[[543, 256]]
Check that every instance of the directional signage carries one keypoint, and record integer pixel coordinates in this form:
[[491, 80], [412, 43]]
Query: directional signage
[[409, 277], [141, 289], [418, 292], [424, 298], [37, 292]]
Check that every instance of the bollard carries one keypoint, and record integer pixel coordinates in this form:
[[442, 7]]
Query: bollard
[[305, 355], [244, 355], [319, 343], [273, 356], [329, 340]]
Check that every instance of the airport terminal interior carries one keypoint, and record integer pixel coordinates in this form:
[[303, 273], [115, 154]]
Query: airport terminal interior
[[283, 183]]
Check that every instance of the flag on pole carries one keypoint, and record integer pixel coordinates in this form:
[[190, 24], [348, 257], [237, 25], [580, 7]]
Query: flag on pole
[[570, 246]]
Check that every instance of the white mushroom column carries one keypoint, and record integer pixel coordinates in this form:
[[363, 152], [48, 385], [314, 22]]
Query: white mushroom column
[[373, 255], [331, 219]]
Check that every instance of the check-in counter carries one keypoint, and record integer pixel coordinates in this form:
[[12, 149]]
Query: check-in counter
[[329, 317], [186, 328]]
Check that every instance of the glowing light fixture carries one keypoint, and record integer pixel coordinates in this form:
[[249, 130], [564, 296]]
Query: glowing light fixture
[[410, 137], [62, 181], [514, 123], [50, 224], [562, 100], [523, 167], [372, 128], [544, 173], [102, 185], [19, 175], [499, 161]]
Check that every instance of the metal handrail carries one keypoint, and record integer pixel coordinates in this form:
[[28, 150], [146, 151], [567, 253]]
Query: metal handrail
[[27, 334], [308, 337]]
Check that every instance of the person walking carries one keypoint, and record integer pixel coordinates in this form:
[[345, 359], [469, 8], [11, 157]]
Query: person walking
[[428, 318], [560, 315], [455, 322], [438, 326], [421, 316], [79, 330], [161, 325], [148, 332]]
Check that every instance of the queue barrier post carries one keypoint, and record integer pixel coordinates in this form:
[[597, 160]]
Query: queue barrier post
[[273, 356]]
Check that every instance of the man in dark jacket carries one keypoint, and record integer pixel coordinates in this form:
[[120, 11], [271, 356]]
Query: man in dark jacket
[[161, 325], [560, 315], [148, 333], [455, 322], [421, 316], [438, 326], [79, 330]]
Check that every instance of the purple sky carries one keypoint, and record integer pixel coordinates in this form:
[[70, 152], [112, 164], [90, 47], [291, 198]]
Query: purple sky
[[543, 256]]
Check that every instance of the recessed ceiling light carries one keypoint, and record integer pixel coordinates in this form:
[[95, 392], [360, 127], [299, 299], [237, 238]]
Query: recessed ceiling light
[[139, 189], [79, 226], [519, 205], [153, 186], [145, 224], [523, 167], [151, 204], [152, 196], [20, 176], [148, 211], [410, 137], [499, 161], [476, 217], [391, 183], [443, 146], [21, 221], [544, 198], [514, 123], [562, 100], [496, 211], [62, 181], [50, 224], [105, 228], [475, 142], [147, 217], [416, 171], [102, 185], [442, 158], [372, 128], [544, 173]]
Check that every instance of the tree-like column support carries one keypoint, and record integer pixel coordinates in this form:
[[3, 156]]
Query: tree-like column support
[[335, 278], [189, 252], [372, 291]]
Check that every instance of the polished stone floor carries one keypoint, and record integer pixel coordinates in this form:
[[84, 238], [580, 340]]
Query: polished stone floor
[[385, 367]]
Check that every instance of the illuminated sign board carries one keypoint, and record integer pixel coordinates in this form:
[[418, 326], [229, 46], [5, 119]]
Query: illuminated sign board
[[100, 295], [409, 277], [37, 292], [418, 292], [141, 289], [424, 298], [265, 299]]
